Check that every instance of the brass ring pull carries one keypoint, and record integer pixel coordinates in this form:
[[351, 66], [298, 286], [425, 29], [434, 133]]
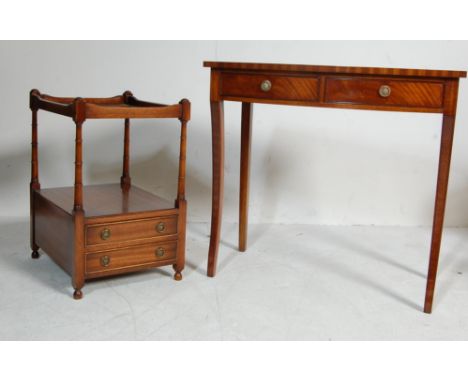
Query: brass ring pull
[[385, 91], [265, 86], [160, 252], [160, 227], [105, 234], [105, 261]]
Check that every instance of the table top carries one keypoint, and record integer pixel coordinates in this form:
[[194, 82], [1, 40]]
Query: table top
[[334, 69]]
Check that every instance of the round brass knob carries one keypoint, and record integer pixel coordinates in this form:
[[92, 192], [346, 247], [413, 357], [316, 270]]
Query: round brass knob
[[105, 234], [105, 261], [385, 91], [160, 252], [160, 227], [265, 86]]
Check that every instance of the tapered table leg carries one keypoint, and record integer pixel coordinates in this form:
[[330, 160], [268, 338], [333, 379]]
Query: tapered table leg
[[439, 209], [217, 126], [246, 135]]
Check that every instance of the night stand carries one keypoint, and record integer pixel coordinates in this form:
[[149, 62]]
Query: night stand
[[104, 230]]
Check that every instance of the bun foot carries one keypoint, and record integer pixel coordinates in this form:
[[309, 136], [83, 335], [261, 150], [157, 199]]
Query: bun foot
[[77, 294], [35, 254], [178, 276]]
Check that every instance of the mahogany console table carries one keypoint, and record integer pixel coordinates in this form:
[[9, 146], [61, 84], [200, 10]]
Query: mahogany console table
[[408, 90], [103, 230]]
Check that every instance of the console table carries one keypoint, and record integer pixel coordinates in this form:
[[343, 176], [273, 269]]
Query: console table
[[407, 90], [103, 230]]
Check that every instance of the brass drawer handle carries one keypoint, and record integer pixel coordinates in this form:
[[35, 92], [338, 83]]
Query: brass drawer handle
[[385, 91], [160, 252], [160, 227], [105, 234], [105, 261], [265, 86]]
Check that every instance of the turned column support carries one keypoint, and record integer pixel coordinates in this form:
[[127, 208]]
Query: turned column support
[[184, 118], [125, 180], [34, 142], [180, 202], [34, 184], [78, 210], [79, 118]]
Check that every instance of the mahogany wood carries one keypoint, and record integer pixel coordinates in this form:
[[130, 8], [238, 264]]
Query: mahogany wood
[[108, 199], [425, 94], [283, 88], [217, 131], [125, 180], [183, 148], [246, 138], [69, 100], [53, 229], [131, 228], [34, 184], [446, 141], [124, 106], [180, 262], [411, 90], [78, 192], [324, 69], [95, 111], [448, 126], [126, 259], [78, 275], [180, 202]]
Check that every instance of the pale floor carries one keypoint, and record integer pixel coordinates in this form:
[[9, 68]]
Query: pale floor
[[295, 282]]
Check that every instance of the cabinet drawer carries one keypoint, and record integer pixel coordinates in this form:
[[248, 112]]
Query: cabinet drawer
[[391, 92], [288, 88], [130, 230], [136, 257]]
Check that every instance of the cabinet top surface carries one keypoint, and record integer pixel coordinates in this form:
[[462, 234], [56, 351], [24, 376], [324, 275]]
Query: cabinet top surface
[[107, 200], [334, 69]]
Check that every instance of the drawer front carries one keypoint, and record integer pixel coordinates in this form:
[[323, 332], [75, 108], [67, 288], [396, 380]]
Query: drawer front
[[127, 259], [363, 91], [131, 230], [266, 86]]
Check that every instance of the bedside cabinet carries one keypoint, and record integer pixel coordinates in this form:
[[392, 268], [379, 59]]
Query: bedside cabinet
[[104, 230]]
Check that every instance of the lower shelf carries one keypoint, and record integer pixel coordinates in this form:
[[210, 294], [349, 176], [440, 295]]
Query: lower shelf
[[107, 200]]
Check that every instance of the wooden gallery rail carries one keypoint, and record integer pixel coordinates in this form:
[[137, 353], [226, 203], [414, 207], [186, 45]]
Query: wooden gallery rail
[[407, 90]]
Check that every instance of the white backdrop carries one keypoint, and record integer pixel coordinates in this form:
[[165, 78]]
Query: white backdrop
[[317, 166]]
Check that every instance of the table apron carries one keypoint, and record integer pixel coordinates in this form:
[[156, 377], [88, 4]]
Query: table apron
[[391, 93]]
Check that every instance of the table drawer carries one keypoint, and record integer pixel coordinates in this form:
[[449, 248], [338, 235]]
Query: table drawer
[[259, 86], [132, 257], [130, 230], [391, 92]]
